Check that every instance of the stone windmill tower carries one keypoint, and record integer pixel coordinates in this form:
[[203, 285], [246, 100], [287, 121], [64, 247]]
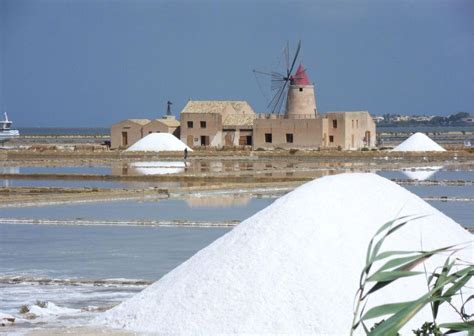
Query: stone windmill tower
[[301, 100], [293, 92]]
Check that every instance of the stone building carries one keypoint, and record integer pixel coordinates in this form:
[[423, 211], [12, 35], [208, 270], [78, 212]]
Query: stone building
[[217, 123], [234, 123], [127, 132], [166, 124]]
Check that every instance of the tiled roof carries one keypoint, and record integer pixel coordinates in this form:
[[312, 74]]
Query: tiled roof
[[139, 121], [238, 120], [216, 106], [169, 122], [242, 107]]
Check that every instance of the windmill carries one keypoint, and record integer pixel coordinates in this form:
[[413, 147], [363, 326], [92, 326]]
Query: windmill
[[281, 81]]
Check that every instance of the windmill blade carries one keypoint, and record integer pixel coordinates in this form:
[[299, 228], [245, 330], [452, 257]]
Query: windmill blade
[[286, 51], [255, 72], [277, 99], [290, 70], [262, 72], [282, 101], [273, 102]]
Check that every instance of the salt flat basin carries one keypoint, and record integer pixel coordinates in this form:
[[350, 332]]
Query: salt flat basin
[[197, 209], [217, 208]]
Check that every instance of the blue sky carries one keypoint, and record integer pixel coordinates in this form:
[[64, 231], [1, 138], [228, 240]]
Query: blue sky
[[92, 63]]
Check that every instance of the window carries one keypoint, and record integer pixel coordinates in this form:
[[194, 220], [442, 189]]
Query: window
[[334, 124], [301, 89], [357, 123], [268, 137], [331, 138], [289, 137], [190, 124], [352, 123], [203, 124]]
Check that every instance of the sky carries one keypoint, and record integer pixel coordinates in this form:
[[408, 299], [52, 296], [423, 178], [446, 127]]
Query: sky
[[84, 63]]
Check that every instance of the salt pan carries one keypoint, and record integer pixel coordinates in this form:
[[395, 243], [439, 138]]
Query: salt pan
[[419, 142], [157, 142], [294, 267]]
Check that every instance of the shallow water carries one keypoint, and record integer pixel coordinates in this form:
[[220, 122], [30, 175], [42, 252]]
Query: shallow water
[[98, 252], [461, 212], [87, 184], [193, 209], [88, 252]]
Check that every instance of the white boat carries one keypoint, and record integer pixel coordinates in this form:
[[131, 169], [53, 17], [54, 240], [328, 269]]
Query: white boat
[[5, 132]]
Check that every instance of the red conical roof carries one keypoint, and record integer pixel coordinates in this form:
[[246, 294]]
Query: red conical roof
[[300, 77]]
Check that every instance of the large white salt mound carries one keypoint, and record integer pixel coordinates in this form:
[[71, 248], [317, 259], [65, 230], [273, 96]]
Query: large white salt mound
[[157, 142], [294, 267], [418, 142]]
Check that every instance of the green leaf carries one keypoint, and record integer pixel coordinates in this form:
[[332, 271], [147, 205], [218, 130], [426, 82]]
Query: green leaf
[[442, 277], [391, 275], [387, 254], [458, 326], [397, 262], [386, 309], [393, 324], [458, 284]]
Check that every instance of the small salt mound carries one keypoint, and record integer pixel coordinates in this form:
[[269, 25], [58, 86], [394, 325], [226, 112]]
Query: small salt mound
[[157, 142], [294, 267], [418, 142]]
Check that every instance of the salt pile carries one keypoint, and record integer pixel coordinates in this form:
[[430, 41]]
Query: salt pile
[[419, 142], [157, 142], [294, 267]]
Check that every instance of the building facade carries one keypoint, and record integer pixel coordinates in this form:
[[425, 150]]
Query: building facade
[[166, 124], [234, 123], [127, 132], [216, 123]]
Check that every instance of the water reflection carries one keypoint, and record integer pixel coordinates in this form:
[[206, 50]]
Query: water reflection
[[421, 174], [8, 170], [217, 201], [156, 168], [148, 168]]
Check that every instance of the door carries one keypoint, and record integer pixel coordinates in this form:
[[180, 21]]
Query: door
[[189, 141], [204, 140], [124, 139], [367, 138]]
